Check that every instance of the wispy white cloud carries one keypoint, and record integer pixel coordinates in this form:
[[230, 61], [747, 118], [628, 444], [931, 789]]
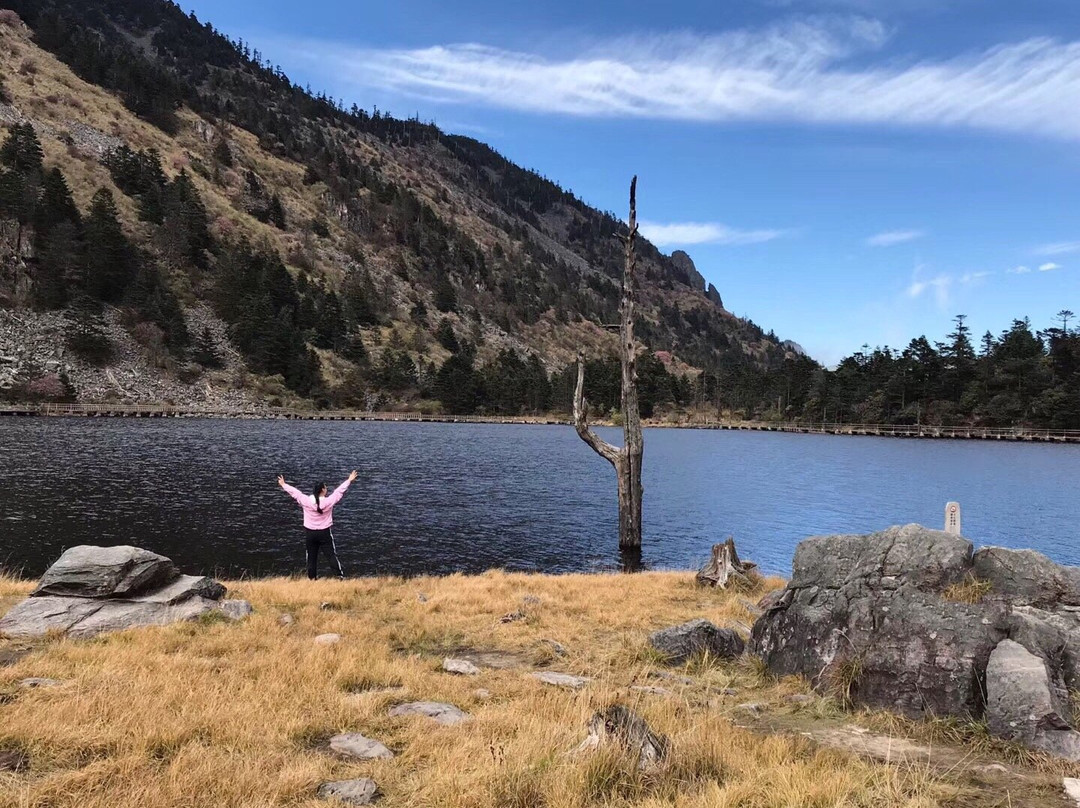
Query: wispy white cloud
[[1058, 248], [682, 233], [941, 285], [1049, 267], [800, 70], [1020, 270], [891, 237]]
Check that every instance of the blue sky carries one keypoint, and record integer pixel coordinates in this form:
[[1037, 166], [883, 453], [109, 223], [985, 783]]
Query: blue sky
[[845, 171]]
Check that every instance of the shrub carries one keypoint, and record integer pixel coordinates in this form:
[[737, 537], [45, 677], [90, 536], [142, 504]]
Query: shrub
[[27, 68], [9, 18]]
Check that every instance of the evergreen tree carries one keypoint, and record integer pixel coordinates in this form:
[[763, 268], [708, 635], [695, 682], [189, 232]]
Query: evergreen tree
[[21, 151], [110, 261], [446, 336], [205, 351], [445, 296]]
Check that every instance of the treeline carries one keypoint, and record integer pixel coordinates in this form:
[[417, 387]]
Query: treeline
[[1019, 377]]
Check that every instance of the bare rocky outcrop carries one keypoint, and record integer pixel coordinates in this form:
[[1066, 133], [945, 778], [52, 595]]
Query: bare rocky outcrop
[[913, 620], [94, 590]]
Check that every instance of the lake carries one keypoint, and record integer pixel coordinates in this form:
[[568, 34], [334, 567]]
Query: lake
[[441, 498]]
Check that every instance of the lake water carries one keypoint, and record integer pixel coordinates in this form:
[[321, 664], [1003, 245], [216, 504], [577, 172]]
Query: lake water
[[442, 498]]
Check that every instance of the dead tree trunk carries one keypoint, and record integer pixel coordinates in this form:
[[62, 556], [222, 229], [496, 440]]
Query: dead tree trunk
[[626, 459], [724, 567]]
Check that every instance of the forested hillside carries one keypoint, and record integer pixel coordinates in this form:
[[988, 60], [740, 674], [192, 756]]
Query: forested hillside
[[177, 211]]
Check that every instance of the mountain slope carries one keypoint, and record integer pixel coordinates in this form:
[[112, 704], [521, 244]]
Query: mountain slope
[[354, 255]]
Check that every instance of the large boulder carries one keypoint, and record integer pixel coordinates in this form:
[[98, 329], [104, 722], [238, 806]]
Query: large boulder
[[902, 619], [111, 589], [105, 572], [681, 643]]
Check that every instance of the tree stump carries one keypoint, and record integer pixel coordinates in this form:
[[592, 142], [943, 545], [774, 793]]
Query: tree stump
[[628, 729], [724, 567]]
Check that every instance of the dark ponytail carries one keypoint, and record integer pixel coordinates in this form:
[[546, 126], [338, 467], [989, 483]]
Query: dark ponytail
[[318, 490]]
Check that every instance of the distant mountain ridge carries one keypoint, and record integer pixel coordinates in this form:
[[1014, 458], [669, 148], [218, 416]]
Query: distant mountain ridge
[[378, 249]]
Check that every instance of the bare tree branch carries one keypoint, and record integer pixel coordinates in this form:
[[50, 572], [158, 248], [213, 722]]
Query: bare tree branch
[[581, 424]]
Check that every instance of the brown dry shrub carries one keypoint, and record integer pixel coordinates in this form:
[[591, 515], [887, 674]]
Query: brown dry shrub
[[9, 18], [27, 67]]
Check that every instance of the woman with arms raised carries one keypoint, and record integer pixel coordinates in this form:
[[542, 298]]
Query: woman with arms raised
[[318, 520]]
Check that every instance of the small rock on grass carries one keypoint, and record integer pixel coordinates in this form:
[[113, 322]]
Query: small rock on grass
[[235, 609], [1072, 788], [652, 690], [355, 745], [512, 617], [751, 707], [798, 698], [561, 679], [38, 681], [350, 792], [437, 711], [327, 639], [557, 647], [286, 620], [482, 693], [462, 667]]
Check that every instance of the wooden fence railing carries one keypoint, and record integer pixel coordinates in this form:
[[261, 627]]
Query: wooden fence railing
[[881, 430]]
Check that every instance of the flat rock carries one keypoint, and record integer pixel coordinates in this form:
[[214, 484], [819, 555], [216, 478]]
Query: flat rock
[[236, 609], [440, 712], [482, 693], [327, 639], [38, 681], [83, 617], [462, 667], [355, 745], [561, 679], [286, 620], [651, 690], [103, 572], [350, 792], [679, 644], [184, 587]]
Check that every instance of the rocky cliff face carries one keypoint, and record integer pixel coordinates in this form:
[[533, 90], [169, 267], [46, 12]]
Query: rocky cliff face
[[914, 620]]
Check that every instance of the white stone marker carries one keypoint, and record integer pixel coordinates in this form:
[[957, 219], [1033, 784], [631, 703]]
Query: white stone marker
[[952, 518]]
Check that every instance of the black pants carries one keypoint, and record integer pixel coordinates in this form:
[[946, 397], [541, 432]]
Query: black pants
[[321, 539]]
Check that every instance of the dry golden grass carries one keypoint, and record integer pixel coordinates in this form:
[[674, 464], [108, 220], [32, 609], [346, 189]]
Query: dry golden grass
[[971, 590], [222, 714]]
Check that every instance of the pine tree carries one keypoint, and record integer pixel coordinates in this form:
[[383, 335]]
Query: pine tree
[[22, 152], [109, 261], [205, 351], [445, 296]]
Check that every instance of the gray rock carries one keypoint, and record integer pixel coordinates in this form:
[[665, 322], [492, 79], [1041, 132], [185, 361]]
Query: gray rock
[[556, 646], [462, 667], [678, 644], [1021, 706], [38, 681], [482, 693], [351, 792], [328, 639], [286, 620], [561, 679], [617, 724], [236, 609], [355, 745], [83, 617], [446, 714], [885, 559], [1028, 577], [184, 587], [870, 607], [651, 690], [103, 572]]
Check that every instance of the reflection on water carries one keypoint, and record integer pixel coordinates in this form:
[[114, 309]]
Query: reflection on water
[[455, 497]]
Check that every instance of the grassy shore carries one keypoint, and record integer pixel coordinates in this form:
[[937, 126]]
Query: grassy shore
[[223, 714]]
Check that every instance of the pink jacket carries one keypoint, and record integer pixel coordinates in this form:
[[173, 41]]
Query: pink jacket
[[314, 520]]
